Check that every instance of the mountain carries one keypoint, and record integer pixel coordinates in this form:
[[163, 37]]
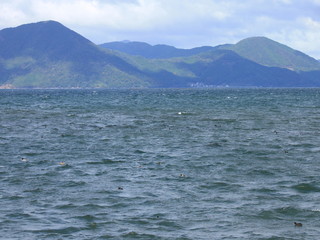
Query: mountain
[[269, 53], [226, 68], [47, 54], [219, 68], [48, 38], [157, 51], [260, 50]]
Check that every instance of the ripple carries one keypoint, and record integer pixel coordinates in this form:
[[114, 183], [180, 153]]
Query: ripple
[[63, 230], [73, 184], [137, 169], [261, 172], [106, 161], [221, 186], [306, 187], [136, 235], [88, 218], [281, 213]]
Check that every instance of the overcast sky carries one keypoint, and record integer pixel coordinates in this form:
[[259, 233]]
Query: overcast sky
[[181, 23]]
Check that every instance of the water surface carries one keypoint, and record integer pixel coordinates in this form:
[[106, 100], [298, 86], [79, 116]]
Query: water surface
[[160, 164]]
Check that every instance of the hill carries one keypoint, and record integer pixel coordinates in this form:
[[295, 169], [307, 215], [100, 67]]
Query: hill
[[47, 54], [270, 53], [146, 50], [226, 68], [220, 68], [261, 50]]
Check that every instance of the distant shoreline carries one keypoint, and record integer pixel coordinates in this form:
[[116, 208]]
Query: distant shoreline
[[11, 87]]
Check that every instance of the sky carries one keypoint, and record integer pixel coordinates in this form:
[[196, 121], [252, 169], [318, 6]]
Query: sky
[[180, 23]]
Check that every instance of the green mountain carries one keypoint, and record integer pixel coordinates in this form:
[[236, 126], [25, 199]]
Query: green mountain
[[153, 52], [261, 50], [226, 68], [273, 54], [49, 55]]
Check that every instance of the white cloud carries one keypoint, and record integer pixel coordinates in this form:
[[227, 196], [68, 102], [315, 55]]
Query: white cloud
[[307, 37], [183, 23], [12, 13], [140, 14]]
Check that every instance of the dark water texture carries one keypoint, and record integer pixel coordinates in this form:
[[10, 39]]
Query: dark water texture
[[160, 164]]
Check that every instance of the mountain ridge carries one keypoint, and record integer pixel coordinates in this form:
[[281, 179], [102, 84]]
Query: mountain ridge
[[270, 53], [146, 50], [49, 55], [261, 50]]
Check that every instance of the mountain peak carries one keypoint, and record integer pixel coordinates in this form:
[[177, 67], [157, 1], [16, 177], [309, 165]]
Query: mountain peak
[[37, 25], [256, 38], [261, 42], [48, 54], [47, 22], [270, 53], [48, 38]]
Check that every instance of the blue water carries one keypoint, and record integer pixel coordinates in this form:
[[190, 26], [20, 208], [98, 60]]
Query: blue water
[[160, 164]]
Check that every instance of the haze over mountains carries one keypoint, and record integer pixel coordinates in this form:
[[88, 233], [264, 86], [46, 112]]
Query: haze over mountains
[[49, 55]]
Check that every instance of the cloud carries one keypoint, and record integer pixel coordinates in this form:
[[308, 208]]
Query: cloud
[[129, 15], [183, 23], [306, 37]]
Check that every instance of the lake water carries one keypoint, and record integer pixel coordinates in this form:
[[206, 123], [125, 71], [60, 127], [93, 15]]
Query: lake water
[[160, 164]]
